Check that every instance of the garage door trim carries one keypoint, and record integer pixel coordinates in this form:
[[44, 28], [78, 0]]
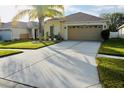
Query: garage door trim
[[92, 35]]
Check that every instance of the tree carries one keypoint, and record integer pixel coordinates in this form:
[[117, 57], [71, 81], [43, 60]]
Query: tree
[[114, 20], [40, 12]]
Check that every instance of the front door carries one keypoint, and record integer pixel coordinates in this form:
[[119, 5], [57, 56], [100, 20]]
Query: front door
[[51, 31], [36, 34]]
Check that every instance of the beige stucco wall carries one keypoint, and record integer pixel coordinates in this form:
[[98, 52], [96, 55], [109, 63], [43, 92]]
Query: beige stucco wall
[[121, 32], [58, 27], [17, 31], [66, 24], [62, 27]]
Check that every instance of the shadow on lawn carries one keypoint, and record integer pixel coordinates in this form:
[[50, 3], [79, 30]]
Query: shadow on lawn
[[110, 51], [11, 42], [114, 43], [111, 78]]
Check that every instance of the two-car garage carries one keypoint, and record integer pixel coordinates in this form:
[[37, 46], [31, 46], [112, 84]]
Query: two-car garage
[[78, 26], [85, 32], [82, 26]]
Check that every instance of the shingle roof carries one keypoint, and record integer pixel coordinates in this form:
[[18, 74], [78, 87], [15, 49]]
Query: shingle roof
[[18, 25], [56, 19], [82, 17], [79, 17]]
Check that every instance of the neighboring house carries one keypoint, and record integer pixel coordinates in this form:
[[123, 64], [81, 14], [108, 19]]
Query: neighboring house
[[23, 30], [121, 31], [78, 26]]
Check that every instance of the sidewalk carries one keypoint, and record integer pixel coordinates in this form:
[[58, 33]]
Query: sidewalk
[[109, 56]]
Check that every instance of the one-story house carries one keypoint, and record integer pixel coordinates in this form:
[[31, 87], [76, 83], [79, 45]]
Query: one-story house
[[22, 30], [121, 31], [77, 26]]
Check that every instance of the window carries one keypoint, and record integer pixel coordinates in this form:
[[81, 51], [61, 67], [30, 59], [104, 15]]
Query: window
[[90, 26], [69, 27], [78, 26], [95, 26], [73, 26]]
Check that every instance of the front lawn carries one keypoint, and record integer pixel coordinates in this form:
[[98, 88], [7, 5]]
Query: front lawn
[[111, 72], [112, 47], [25, 44], [8, 52]]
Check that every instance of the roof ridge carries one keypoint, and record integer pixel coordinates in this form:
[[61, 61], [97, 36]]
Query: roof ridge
[[79, 16], [83, 13]]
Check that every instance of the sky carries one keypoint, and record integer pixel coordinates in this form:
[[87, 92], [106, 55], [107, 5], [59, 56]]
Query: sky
[[7, 12]]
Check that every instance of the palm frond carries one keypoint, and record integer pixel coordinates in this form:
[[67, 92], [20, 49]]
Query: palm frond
[[19, 16], [57, 6], [33, 14], [53, 13]]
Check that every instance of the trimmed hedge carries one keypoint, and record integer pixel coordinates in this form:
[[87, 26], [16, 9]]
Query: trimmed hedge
[[105, 34]]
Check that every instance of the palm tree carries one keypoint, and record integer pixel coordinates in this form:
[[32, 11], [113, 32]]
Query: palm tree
[[40, 12]]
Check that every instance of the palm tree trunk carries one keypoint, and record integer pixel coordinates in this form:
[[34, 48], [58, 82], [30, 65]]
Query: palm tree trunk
[[41, 29]]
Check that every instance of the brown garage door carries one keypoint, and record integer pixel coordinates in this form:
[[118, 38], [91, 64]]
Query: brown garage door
[[84, 32]]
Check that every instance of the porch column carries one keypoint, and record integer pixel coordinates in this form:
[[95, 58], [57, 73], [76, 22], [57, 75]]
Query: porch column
[[33, 34], [66, 32]]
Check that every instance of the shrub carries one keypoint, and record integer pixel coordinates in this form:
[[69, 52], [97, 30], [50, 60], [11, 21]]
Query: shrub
[[105, 34], [46, 36], [58, 37]]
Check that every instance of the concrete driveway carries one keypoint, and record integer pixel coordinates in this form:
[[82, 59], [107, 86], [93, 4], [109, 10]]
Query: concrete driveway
[[66, 64]]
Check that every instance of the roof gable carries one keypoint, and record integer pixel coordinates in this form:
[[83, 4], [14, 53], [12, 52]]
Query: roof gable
[[19, 25], [82, 17], [78, 17]]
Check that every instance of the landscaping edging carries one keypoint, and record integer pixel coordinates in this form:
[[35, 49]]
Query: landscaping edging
[[112, 54], [109, 56], [32, 48], [11, 54]]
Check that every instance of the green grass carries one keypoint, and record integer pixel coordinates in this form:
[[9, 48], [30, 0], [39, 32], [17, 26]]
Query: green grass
[[112, 47], [111, 72], [24, 44], [8, 52]]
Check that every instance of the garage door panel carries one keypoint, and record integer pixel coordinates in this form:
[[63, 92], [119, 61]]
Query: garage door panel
[[5, 35], [84, 33]]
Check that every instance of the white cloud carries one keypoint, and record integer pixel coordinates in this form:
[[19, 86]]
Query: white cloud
[[8, 12], [102, 8], [108, 8], [120, 6], [94, 10], [71, 9]]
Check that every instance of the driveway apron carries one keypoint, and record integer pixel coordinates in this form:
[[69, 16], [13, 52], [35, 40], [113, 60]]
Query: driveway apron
[[12, 64], [67, 64]]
